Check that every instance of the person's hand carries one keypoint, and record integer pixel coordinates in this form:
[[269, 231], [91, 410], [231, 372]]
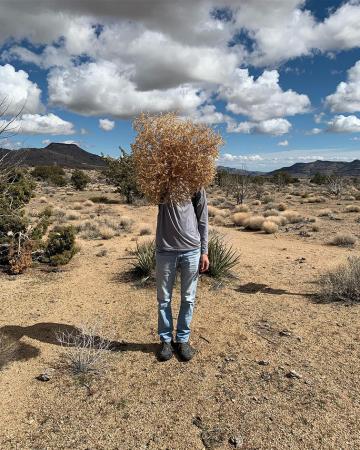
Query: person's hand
[[204, 262]]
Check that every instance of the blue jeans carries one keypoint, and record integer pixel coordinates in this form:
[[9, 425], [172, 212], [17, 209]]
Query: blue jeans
[[166, 264]]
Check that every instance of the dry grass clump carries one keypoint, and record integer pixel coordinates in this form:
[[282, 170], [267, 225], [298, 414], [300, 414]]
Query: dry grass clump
[[212, 212], [240, 218], [343, 240], [77, 206], [325, 212], [145, 230], [89, 230], [126, 223], [343, 283], [352, 208], [314, 199], [254, 222], [241, 208], [267, 199], [315, 227], [282, 207], [106, 232], [271, 212], [292, 216], [59, 213], [256, 203], [279, 220], [43, 200], [173, 157], [270, 227], [72, 215], [88, 203], [219, 220]]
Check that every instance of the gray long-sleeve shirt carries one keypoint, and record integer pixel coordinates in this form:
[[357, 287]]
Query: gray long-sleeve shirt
[[183, 226]]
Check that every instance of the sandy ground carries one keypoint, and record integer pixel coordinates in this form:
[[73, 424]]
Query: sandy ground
[[267, 314]]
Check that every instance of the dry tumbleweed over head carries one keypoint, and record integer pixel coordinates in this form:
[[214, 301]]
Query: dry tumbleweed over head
[[173, 157]]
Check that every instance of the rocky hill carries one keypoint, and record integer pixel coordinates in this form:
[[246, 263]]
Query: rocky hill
[[350, 169]]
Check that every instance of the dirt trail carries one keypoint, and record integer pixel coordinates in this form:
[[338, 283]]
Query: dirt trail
[[233, 329]]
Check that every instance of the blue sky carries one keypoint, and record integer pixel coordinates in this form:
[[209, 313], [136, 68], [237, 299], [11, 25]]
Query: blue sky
[[279, 79]]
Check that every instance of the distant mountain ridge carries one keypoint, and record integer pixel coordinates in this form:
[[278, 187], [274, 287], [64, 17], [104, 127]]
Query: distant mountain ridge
[[59, 154], [343, 168]]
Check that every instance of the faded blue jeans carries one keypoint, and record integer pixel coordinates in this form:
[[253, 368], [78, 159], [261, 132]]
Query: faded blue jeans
[[166, 264]]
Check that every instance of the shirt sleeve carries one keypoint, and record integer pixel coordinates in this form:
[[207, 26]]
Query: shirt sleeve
[[201, 211]]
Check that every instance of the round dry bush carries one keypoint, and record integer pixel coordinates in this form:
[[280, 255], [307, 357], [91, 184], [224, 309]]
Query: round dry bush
[[219, 220], [240, 218], [73, 216], [292, 216], [88, 203], [325, 212], [271, 212], [270, 227], [43, 200], [343, 240], [241, 208], [349, 198], [352, 208], [173, 157], [255, 222], [106, 232], [77, 206], [256, 203], [145, 230], [212, 212], [315, 227], [281, 207], [279, 220]]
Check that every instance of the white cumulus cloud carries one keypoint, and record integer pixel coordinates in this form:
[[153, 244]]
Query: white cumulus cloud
[[106, 124], [346, 98], [40, 124], [344, 124], [275, 127]]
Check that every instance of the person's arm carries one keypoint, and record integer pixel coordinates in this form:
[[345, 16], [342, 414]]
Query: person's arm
[[201, 211]]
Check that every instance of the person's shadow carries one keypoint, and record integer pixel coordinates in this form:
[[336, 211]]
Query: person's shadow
[[11, 347]]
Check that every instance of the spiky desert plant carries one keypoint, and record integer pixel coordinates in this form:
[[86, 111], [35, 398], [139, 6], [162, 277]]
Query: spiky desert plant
[[145, 259], [173, 157], [343, 283], [222, 257]]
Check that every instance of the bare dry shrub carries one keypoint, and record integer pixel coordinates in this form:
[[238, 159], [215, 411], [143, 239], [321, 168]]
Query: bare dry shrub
[[173, 157], [240, 218], [352, 208], [84, 350], [343, 240], [279, 220], [281, 207], [270, 227], [20, 256], [256, 203], [89, 230], [315, 227], [88, 203], [343, 283], [254, 222], [292, 216], [241, 208], [43, 200], [106, 232], [219, 220]]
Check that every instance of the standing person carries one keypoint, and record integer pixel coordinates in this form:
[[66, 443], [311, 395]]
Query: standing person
[[181, 240]]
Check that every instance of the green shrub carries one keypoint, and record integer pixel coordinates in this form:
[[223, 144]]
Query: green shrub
[[343, 283], [222, 257], [80, 179], [145, 259], [52, 174], [60, 247]]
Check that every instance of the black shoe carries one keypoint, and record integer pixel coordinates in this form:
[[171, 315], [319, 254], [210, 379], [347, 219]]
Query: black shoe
[[185, 351], [166, 351]]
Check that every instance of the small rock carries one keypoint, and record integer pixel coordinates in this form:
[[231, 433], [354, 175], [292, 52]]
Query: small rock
[[229, 358], [263, 362], [43, 377], [293, 374], [236, 441], [285, 333]]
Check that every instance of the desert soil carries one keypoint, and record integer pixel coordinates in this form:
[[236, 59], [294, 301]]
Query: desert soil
[[225, 396]]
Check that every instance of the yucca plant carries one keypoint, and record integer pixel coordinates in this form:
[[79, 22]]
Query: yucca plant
[[222, 257], [145, 259]]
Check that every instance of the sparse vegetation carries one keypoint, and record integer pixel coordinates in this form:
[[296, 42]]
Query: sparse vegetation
[[223, 258], [60, 246], [342, 283], [343, 240], [79, 179], [145, 264]]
